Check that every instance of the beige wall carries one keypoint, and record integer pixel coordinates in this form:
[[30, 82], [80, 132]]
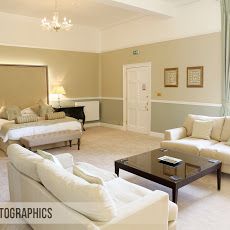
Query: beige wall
[[194, 51], [78, 72]]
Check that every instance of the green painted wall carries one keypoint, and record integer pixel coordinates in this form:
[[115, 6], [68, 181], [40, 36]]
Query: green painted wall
[[163, 115]]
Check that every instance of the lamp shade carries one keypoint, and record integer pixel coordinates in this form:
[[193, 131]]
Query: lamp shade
[[58, 90]]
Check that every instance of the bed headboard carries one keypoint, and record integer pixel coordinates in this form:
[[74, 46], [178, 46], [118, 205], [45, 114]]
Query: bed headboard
[[23, 85]]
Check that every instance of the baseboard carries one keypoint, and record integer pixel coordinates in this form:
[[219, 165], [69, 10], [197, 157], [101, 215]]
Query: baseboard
[[155, 134], [93, 124], [120, 127]]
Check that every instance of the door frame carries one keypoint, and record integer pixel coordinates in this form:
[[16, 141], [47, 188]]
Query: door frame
[[125, 68]]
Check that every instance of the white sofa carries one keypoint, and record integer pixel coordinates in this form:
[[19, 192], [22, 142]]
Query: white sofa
[[135, 207], [179, 139]]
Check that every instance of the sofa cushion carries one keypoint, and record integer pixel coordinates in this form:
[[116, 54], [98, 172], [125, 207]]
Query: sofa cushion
[[187, 145], [219, 151], [217, 125], [92, 174], [24, 160], [225, 135], [49, 156], [202, 129], [91, 200], [124, 192]]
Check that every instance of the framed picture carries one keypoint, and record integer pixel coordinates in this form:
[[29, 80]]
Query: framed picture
[[171, 77], [195, 76]]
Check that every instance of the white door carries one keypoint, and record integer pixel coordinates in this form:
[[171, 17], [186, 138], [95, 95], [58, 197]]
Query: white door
[[138, 96]]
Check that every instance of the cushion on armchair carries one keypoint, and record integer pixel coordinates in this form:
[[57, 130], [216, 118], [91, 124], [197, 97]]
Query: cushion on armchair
[[218, 123], [202, 129]]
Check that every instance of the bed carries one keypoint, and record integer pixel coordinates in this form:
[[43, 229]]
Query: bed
[[24, 86]]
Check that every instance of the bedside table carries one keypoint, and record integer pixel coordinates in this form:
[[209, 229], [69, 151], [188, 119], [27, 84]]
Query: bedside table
[[75, 112]]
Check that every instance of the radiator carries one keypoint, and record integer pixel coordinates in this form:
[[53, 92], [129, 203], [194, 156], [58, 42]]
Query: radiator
[[91, 109]]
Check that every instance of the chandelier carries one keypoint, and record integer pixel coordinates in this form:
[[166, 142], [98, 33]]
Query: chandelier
[[55, 24]]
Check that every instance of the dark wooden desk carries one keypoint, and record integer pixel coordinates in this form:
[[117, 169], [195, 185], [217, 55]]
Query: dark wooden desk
[[75, 112]]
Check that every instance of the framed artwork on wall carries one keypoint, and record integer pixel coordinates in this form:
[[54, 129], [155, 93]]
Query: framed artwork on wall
[[195, 77], [171, 77]]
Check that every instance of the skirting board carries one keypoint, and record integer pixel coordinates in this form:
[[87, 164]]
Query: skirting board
[[94, 124], [153, 134]]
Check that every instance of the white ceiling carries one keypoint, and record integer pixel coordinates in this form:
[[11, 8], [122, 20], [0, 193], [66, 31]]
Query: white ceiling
[[93, 13]]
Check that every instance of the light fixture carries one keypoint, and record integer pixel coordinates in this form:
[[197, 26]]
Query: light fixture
[[59, 91], [55, 24]]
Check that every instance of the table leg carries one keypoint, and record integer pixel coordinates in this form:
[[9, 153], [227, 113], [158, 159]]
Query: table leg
[[174, 195], [218, 174], [116, 169]]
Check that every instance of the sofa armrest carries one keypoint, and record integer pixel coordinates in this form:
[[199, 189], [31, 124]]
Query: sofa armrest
[[175, 134], [66, 159], [149, 213]]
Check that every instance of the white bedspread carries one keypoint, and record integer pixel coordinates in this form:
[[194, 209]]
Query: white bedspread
[[16, 134]]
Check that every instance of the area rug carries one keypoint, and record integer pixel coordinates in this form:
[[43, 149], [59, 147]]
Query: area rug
[[201, 206]]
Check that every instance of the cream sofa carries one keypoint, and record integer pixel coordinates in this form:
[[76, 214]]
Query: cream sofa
[[129, 206], [179, 139]]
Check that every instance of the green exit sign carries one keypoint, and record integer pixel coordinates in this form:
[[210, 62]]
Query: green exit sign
[[136, 52]]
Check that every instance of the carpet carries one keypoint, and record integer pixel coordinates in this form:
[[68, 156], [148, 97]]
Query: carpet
[[201, 206]]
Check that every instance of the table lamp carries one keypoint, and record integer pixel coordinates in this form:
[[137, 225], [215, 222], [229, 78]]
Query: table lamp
[[59, 90]]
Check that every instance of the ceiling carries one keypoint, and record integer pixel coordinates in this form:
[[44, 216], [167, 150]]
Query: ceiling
[[93, 13]]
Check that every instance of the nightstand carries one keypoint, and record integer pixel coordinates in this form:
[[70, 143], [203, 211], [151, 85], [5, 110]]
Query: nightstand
[[75, 112]]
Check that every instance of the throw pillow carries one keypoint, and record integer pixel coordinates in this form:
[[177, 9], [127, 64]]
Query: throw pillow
[[53, 116], [45, 109], [26, 119], [12, 112], [84, 174], [202, 129], [91, 200], [50, 157], [3, 114], [92, 174], [28, 111]]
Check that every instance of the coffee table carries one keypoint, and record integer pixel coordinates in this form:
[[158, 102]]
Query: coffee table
[[190, 169]]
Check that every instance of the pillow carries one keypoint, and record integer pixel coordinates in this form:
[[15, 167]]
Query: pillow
[[91, 200], [50, 157], [53, 116], [41, 108], [202, 129], [87, 175], [26, 119], [28, 111], [92, 174], [218, 123], [24, 160], [12, 112], [3, 112]]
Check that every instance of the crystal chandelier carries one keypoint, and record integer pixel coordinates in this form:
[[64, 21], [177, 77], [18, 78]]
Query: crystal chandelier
[[55, 24]]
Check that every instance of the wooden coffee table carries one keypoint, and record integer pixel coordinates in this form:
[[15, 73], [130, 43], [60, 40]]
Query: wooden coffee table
[[190, 169]]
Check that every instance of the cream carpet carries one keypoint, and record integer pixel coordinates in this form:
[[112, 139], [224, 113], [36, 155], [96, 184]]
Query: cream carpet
[[201, 206]]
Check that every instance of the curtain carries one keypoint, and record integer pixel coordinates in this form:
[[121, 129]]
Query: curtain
[[225, 34]]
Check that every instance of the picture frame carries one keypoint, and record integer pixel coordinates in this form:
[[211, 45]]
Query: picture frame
[[171, 77], [195, 77]]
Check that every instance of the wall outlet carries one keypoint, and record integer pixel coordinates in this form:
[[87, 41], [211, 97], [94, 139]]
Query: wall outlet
[[136, 52]]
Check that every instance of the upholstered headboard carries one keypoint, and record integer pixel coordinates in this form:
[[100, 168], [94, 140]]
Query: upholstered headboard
[[23, 85]]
